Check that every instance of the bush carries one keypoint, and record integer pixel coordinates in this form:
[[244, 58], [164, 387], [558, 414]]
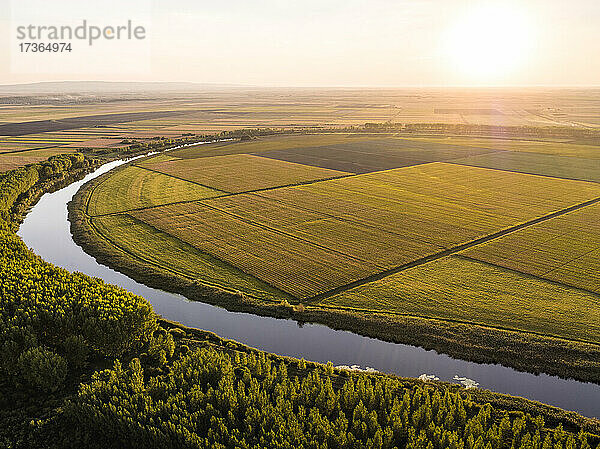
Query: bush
[[42, 369]]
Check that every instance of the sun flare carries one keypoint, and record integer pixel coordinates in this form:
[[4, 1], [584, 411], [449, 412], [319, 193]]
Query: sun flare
[[490, 42]]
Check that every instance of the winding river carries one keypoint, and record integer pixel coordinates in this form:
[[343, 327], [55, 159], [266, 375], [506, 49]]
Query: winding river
[[46, 230]]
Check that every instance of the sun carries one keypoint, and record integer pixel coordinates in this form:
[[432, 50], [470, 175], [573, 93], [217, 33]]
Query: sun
[[490, 42]]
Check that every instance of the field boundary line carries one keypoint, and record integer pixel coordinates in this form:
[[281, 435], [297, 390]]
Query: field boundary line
[[534, 276], [225, 194], [451, 251], [296, 184]]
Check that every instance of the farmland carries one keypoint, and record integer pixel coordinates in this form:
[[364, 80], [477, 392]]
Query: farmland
[[240, 172], [308, 230], [458, 289], [565, 249], [134, 187], [538, 164]]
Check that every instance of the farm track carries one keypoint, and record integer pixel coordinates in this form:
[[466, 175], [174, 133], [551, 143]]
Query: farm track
[[451, 251]]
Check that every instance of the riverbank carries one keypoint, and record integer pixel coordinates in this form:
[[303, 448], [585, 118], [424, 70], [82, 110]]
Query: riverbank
[[523, 351]]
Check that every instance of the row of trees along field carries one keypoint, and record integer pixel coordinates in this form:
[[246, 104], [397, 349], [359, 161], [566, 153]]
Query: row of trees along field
[[59, 331]]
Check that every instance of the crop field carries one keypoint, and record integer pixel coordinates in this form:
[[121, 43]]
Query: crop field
[[241, 172], [557, 148], [134, 187], [361, 156], [538, 164], [439, 203], [565, 249], [293, 265], [174, 255], [309, 239], [459, 289]]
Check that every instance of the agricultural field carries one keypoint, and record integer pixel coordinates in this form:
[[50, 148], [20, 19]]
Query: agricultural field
[[295, 266], [240, 172], [134, 188], [538, 164], [459, 289], [317, 234], [565, 249], [550, 147], [172, 254]]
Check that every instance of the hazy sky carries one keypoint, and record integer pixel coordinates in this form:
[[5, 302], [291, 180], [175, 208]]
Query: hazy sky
[[317, 42]]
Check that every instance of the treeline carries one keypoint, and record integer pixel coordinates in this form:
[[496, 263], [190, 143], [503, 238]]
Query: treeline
[[210, 399]]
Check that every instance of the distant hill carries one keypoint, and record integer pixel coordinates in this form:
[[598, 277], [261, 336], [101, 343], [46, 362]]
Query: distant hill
[[73, 87]]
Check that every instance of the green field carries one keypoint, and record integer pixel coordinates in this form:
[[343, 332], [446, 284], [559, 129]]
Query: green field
[[134, 187], [285, 262], [306, 240], [557, 148], [439, 203], [464, 290], [565, 249], [240, 172], [177, 257], [538, 164]]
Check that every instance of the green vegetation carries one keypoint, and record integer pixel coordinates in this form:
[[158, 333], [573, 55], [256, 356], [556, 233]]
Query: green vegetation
[[463, 290], [240, 172], [538, 164], [565, 249], [551, 147], [134, 187], [188, 388], [210, 399], [272, 252], [162, 250], [309, 239]]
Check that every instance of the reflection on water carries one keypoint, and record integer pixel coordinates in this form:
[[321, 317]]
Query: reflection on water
[[47, 231]]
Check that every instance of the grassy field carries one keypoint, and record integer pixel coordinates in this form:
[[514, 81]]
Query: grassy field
[[175, 256], [538, 164], [565, 249], [134, 187], [557, 148], [438, 203], [240, 172], [293, 265], [309, 239], [463, 290]]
